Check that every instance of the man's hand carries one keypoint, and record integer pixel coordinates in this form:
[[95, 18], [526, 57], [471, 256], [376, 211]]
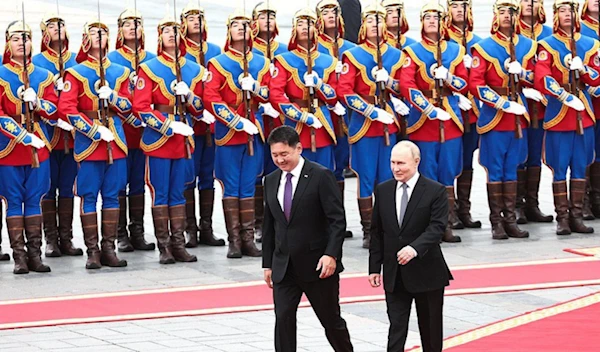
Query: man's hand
[[375, 280], [406, 254], [327, 266], [267, 274]]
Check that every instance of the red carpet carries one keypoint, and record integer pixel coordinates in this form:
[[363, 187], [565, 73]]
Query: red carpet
[[252, 296], [586, 252], [569, 326]]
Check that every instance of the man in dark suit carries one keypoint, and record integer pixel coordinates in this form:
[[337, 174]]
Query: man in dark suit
[[351, 12], [409, 219], [303, 233]]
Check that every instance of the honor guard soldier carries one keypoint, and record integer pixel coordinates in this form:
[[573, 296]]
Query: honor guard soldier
[[396, 23], [130, 53], [265, 31], [330, 24], [503, 117], [95, 100], [237, 82], [563, 76], [589, 27], [63, 168], [168, 93], [364, 88], [26, 96], [435, 124], [529, 173], [459, 25], [303, 85], [202, 166]]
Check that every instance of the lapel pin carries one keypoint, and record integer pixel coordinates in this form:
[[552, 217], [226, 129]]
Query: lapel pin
[[305, 176]]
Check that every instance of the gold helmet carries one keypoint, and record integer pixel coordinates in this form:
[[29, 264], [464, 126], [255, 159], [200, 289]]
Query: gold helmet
[[129, 14], [86, 42], [263, 6], [237, 15], [373, 9], [303, 14], [513, 5], [574, 5], [330, 4], [169, 21], [48, 18], [434, 6], [397, 5], [468, 14], [14, 28], [193, 8]]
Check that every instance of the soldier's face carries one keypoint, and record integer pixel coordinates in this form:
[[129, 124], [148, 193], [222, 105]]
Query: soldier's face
[[458, 12], [526, 7], [16, 45], [403, 165], [592, 6], [52, 29], [328, 17], [505, 19], [430, 23], [302, 29], [286, 157], [237, 30], [193, 24], [262, 21], [564, 17], [168, 38], [371, 26], [129, 29], [95, 37], [391, 17]]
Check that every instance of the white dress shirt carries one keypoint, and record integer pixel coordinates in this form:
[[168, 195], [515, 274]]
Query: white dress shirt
[[411, 183], [295, 178], [411, 186]]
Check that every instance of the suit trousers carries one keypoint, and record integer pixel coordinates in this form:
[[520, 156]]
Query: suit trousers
[[429, 314], [323, 296]]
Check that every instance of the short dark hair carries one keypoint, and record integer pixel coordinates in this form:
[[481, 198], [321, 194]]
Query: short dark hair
[[284, 134]]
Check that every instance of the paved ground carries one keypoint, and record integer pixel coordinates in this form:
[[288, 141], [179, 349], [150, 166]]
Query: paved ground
[[253, 331]]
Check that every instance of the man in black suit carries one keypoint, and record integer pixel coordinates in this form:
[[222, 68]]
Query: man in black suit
[[303, 233], [409, 219]]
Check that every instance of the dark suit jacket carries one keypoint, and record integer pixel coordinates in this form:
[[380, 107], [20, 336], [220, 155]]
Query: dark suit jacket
[[317, 224], [351, 12], [422, 228]]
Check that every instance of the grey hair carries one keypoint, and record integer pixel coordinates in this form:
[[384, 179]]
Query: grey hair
[[405, 144]]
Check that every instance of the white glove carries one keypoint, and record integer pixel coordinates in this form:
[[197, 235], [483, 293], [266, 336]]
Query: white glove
[[133, 78], [316, 123], [271, 68], [532, 94], [36, 142], [463, 102], [60, 85], [104, 93], [143, 124], [106, 134], [576, 64], [249, 127], [182, 89], [515, 68], [208, 118], [382, 76], [338, 67], [384, 117], [269, 110], [574, 103], [181, 128], [467, 61], [400, 107], [29, 96], [312, 79], [442, 73], [515, 108], [248, 83], [441, 114], [205, 75], [64, 125], [339, 109]]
